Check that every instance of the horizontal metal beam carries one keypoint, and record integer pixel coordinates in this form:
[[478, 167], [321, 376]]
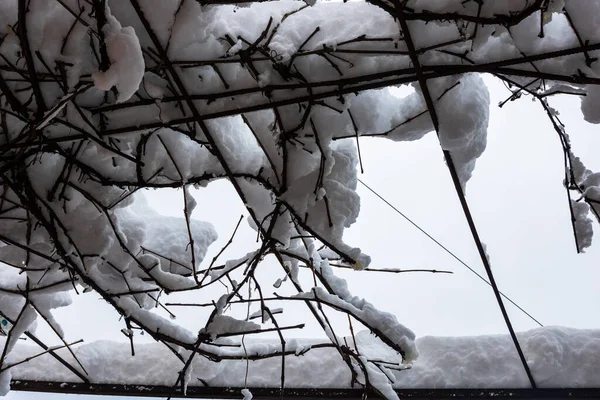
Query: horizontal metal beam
[[108, 389]]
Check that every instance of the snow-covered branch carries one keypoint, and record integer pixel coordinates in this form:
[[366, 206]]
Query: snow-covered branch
[[102, 99]]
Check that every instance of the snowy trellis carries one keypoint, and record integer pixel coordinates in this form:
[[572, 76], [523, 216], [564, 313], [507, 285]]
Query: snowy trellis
[[100, 99]]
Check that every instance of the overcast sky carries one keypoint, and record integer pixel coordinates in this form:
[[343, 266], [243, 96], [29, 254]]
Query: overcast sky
[[519, 205]]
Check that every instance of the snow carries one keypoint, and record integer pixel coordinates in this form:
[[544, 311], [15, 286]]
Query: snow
[[384, 325], [5, 378], [247, 394], [464, 133], [583, 224], [557, 356], [126, 59], [589, 105], [586, 16], [167, 237], [225, 324]]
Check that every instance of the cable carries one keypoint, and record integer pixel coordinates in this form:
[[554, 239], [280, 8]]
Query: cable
[[446, 250]]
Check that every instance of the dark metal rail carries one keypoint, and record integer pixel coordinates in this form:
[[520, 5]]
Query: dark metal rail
[[107, 389]]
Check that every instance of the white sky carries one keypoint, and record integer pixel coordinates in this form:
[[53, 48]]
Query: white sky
[[519, 205]]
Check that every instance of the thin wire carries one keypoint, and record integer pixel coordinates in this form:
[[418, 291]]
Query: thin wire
[[447, 250]]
